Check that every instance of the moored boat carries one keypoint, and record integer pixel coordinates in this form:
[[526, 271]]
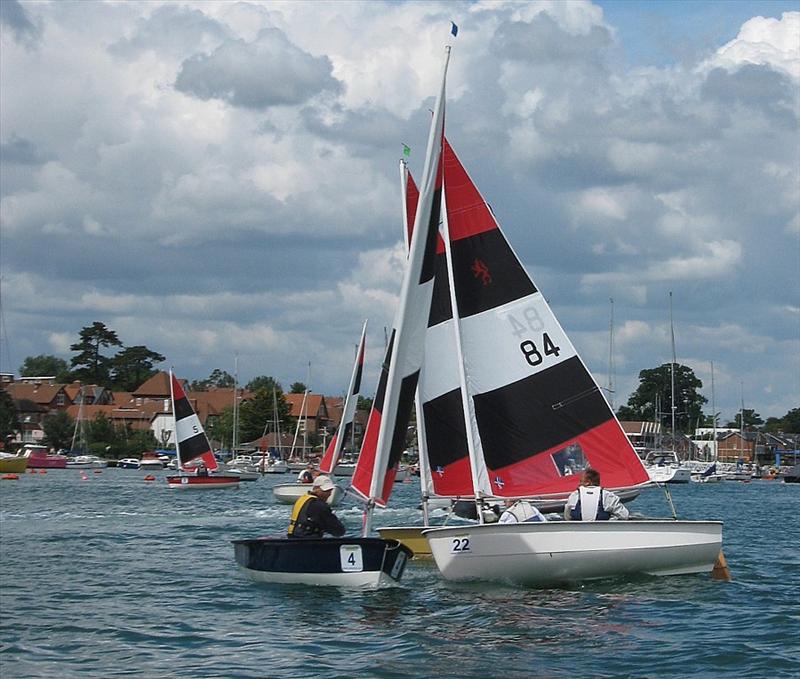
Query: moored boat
[[288, 493], [39, 457], [12, 464], [128, 463]]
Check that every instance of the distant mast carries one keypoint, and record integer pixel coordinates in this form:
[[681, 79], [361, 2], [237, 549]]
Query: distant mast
[[672, 371]]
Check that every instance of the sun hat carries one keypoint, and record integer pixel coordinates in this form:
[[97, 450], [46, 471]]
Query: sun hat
[[324, 483]]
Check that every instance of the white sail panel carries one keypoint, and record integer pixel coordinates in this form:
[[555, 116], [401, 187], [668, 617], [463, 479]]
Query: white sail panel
[[513, 341]]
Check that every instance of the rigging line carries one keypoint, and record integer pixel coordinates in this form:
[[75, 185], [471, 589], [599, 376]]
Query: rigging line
[[572, 399]]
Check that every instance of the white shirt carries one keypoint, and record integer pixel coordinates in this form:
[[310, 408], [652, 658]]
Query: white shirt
[[520, 512], [589, 497]]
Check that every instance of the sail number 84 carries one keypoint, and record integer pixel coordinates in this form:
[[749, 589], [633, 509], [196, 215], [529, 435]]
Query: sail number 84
[[532, 353]]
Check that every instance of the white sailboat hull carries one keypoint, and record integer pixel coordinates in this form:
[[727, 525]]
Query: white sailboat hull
[[540, 554], [669, 474], [287, 493]]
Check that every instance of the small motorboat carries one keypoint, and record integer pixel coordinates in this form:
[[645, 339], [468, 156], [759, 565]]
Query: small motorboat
[[287, 493], [39, 457], [349, 562], [128, 463]]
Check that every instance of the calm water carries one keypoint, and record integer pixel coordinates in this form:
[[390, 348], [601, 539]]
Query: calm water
[[113, 576]]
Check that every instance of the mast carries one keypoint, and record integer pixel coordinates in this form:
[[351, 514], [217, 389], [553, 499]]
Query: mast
[[178, 462], [713, 412], [611, 368], [672, 372], [235, 434], [276, 428]]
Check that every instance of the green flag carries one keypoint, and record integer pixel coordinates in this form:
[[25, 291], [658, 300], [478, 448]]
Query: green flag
[[406, 151]]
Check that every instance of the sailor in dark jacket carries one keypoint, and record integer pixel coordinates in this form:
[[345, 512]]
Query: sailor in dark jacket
[[312, 516]]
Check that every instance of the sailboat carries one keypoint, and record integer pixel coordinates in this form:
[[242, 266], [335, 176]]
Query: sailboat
[[191, 444], [534, 416], [288, 493], [334, 560], [333, 453]]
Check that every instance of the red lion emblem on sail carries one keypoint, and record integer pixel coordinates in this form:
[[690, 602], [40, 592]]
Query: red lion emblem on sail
[[480, 270]]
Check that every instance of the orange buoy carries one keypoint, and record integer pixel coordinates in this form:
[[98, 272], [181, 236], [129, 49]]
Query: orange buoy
[[149, 477], [10, 477], [43, 471]]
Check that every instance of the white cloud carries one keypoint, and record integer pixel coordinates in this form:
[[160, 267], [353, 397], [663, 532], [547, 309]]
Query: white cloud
[[764, 41]]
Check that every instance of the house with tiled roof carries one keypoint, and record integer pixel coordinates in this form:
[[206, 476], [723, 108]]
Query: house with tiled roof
[[34, 399], [313, 416]]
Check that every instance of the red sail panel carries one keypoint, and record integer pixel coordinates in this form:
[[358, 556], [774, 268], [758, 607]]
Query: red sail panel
[[190, 437], [467, 212], [326, 463], [331, 457]]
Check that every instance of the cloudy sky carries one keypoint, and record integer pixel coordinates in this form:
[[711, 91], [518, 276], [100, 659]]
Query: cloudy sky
[[213, 179]]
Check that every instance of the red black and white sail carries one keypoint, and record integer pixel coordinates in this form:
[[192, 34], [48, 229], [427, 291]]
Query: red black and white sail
[[190, 438], [345, 432], [535, 413], [384, 439], [441, 429]]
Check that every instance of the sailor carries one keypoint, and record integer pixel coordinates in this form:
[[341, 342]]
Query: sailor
[[593, 503], [520, 511], [312, 516], [306, 475]]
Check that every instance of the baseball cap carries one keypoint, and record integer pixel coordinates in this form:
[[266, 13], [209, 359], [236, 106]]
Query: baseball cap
[[324, 483]]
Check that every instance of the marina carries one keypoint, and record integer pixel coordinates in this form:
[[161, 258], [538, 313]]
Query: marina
[[119, 603]]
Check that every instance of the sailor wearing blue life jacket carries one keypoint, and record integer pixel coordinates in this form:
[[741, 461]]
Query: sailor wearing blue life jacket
[[593, 503], [312, 516]]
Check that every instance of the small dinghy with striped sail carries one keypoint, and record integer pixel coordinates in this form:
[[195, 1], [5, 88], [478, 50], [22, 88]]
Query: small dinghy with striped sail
[[192, 445], [288, 493], [347, 561], [533, 417]]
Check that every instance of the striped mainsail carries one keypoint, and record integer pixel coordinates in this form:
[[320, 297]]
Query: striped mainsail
[[190, 438], [334, 450], [536, 416]]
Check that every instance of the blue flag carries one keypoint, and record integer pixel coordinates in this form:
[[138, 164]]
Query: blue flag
[[453, 29]]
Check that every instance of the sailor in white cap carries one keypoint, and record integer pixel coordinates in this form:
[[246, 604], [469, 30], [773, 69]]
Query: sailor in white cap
[[312, 516]]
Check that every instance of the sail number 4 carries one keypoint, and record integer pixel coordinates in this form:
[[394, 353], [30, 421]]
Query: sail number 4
[[459, 546]]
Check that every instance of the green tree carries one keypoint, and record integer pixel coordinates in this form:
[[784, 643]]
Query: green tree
[[364, 403], [41, 365], [298, 388], [256, 415], [264, 382], [652, 400], [133, 366], [58, 429], [90, 365], [219, 379], [751, 420], [9, 419], [788, 424]]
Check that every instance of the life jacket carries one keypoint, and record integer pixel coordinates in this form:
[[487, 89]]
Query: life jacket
[[299, 516], [590, 498]]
